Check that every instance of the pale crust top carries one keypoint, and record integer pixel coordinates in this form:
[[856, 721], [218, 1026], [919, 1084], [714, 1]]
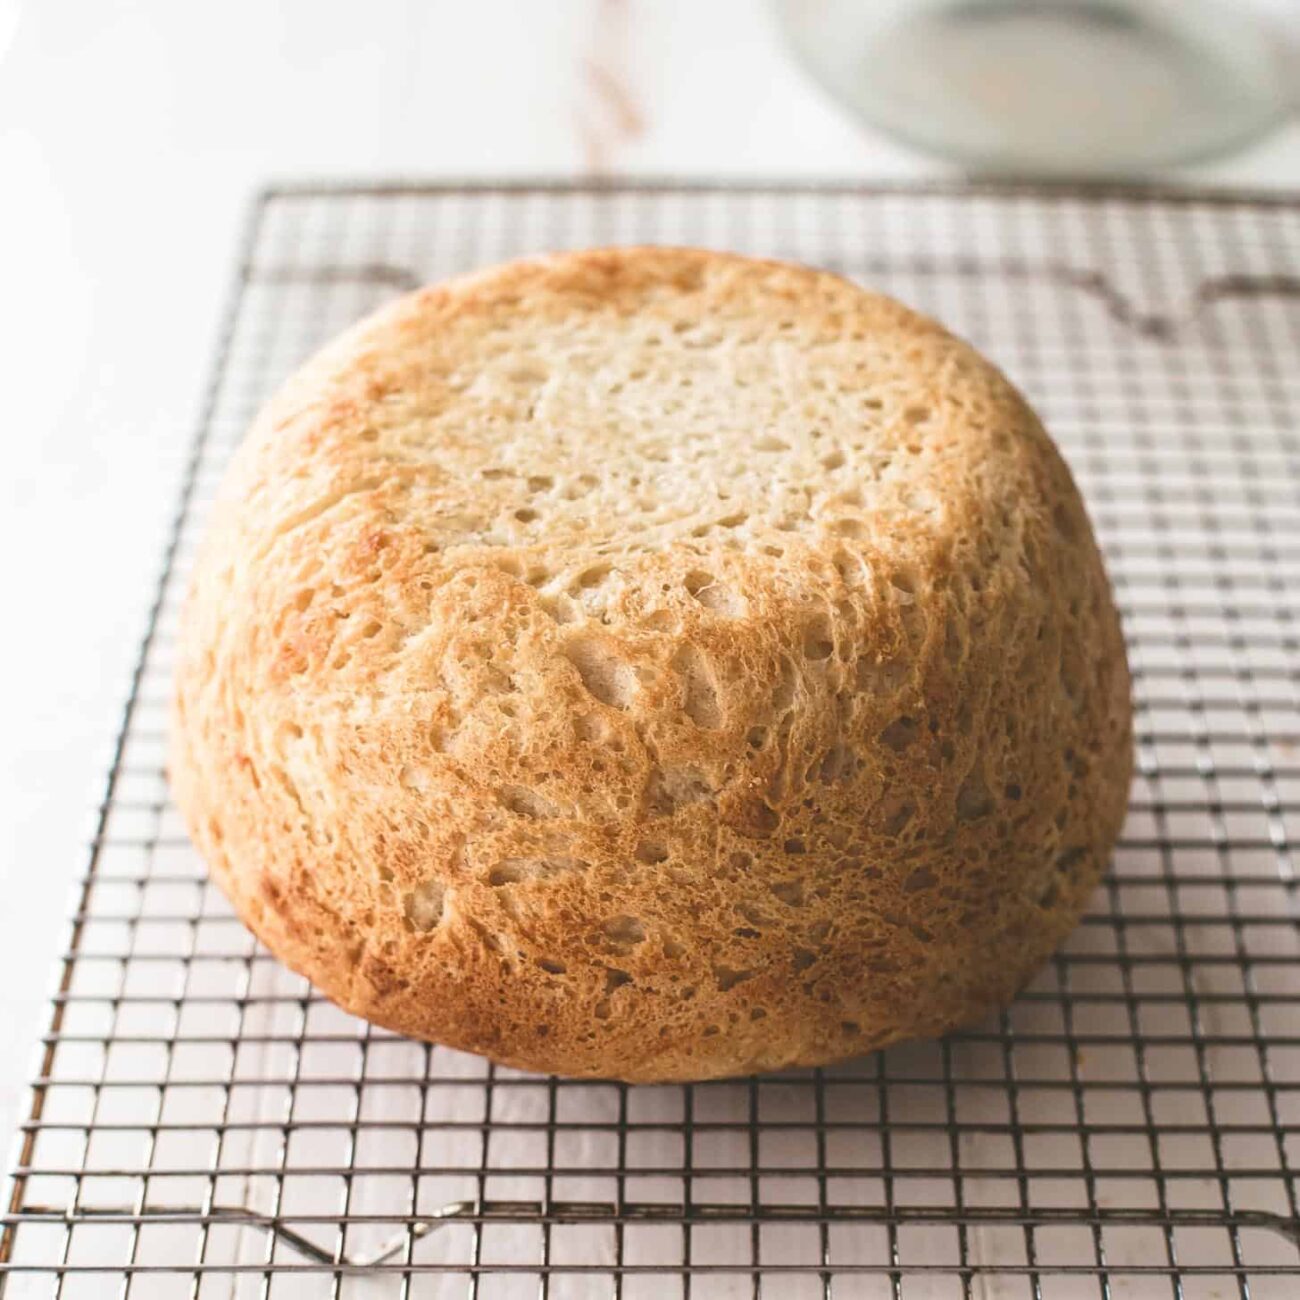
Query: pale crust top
[[653, 663]]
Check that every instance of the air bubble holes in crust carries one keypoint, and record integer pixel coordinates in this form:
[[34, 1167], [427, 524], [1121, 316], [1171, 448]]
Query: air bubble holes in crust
[[900, 734], [727, 977], [615, 979], [973, 798], [592, 576], [527, 803], [624, 932], [818, 639], [758, 819], [511, 871], [789, 892], [423, 906], [605, 676], [671, 788], [710, 592], [699, 692]]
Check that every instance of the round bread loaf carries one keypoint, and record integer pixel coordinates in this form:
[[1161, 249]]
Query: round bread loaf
[[653, 664]]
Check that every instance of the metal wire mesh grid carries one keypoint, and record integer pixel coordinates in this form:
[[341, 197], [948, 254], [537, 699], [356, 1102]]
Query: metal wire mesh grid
[[204, 1124]]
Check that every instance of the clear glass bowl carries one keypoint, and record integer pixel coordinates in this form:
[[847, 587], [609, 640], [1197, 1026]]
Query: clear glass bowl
[[1056, 87]]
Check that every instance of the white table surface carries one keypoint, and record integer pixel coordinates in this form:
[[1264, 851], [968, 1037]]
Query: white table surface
[[131, 137]]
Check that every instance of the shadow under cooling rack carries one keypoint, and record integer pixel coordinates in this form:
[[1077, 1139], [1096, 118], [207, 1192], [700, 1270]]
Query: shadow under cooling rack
[[203, 1124]]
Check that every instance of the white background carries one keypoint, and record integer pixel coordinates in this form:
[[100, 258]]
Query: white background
[[131, 137]]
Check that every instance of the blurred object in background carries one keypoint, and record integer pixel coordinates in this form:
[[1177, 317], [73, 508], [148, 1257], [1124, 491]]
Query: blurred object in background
[[1064, 87]]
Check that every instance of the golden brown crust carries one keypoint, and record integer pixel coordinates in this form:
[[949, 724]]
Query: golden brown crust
[[653, 664]]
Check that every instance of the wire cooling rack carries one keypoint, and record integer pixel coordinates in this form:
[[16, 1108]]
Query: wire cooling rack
[[203, 1124]]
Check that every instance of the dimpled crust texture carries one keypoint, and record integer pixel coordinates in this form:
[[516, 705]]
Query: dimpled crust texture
[[653, 664]]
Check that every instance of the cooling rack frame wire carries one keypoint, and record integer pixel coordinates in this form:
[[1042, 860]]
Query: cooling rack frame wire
[[1131, 1126]]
